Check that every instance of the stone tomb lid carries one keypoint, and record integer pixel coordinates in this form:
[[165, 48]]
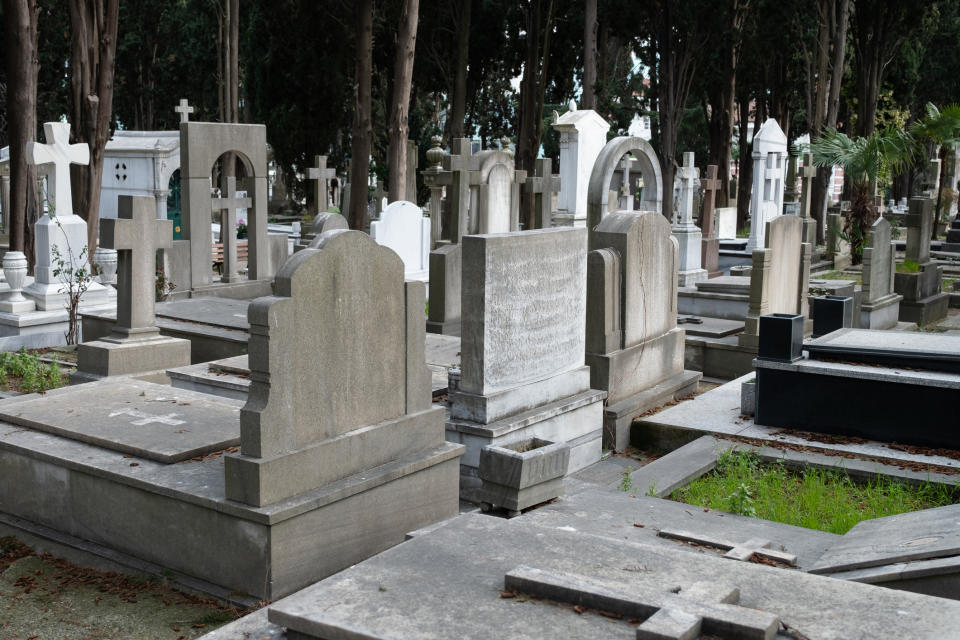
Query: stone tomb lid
[[147, 420], [936, 351], [429, 587], [736, 285], [919, 535], [218, 312]]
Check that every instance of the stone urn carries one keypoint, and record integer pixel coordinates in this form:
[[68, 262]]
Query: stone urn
[[106, 259], [15, 273], [519, 475]]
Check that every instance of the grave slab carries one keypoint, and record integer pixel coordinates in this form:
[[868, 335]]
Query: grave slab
[[130, 416], [460, 593], [913, 349]]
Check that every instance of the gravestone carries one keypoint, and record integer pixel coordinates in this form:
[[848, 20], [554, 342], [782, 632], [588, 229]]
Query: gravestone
[[321, 188], [710, 246], [135, 345], [727, 223], [321, 223], [436, 179], [494, 193], [923, 301], [688, 235], [229, 205], [808, 173], [779, 281], [403, 228], [766, 199], [880, 306], [583, 133], [138, 163], [308, 421], [542, 185], [645, 162], [633, 346], [60, 230], [184, 109], [791, 197], [523, 372]]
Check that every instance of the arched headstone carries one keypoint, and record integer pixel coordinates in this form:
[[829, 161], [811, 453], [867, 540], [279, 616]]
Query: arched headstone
[[645, 162]]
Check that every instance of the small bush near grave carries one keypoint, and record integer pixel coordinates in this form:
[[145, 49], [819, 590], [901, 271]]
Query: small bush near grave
[[25, 372], [827, 500]]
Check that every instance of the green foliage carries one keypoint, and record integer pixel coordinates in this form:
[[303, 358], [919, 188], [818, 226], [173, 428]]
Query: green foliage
[[626, 481], [814, 498], [75, 280], [908, 266], [25, 372], [866, 159], [164, 287]]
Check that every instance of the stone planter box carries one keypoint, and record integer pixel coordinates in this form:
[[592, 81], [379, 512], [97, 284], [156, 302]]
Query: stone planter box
[[522, 474], [831, 313], [781, 337], [748, 397]]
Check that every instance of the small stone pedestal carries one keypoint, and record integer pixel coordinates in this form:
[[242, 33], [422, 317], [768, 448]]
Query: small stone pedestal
[[15, 272], [923, 301], [520, 475]]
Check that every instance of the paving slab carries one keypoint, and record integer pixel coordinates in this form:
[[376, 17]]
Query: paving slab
[[709, 327], [919, 535], [146, 420], [450, 583], [907, 348]]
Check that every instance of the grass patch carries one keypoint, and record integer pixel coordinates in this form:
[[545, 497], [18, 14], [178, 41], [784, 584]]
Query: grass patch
[[827, 500], [744, 233], [908, 266], [22, 371]]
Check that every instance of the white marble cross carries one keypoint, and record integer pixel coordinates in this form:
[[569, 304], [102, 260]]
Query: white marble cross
[[145, 418], [61, 154], [742, 551], [184, 110], [688, 175], [323, 176]]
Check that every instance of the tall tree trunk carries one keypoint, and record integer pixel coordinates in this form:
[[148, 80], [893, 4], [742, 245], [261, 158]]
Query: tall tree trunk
[[745, 175], [22, 69], [229, 65], [362, 130], [93, 52], [588, 99], [539, 25], [458, 109], [400, 108]]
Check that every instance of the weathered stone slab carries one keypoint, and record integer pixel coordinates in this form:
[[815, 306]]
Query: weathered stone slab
[[938, 351], [737, 285], [143, 419], [460, 592], [931, 533], [223, 312]]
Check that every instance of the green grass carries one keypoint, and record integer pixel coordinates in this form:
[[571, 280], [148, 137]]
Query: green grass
[[744, 233], [836, 275], [908, 266], [22, 371], [827, 500]]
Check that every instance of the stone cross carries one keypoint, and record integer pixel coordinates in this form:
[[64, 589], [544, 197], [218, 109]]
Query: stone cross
[[136, 234], [458, 163], [710, 186], [808, 173], [227, 206], [61, 154], [184, 110], [680, 614], [323, 176], [543, 184], [625, 200], [378, 195], [687, 175], [743, 551], [919, 222]]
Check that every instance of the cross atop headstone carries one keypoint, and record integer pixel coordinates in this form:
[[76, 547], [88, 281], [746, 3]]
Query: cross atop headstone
[[808, 172], [743, 551], [680, 614], [379, 195], [136, 234], [625, 199], [227, 206], [458, 163], [688, 176], [919, 222], [61, 154], [323, 176], [184, 109], [543, 184], [710, 186]]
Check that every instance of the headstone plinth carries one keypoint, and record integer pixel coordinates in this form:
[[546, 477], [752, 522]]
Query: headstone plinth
[[135, 346], [923, 300], [880, 306]]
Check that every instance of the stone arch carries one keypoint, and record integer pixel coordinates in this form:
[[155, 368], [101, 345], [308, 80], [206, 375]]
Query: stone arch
[[201, 145], [606, 163]]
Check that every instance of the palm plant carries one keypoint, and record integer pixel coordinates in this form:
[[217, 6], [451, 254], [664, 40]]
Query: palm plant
[[940, 127], [865, 161]]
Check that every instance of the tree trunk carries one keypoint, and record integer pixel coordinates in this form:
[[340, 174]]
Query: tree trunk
[[22, 69], [745, 175], [400, 108], [539, 25], [93, 52], [588, 98], [940, 183], [458, 109], [362, 131]]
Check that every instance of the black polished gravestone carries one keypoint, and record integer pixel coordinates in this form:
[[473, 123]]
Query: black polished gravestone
[[890, 386]]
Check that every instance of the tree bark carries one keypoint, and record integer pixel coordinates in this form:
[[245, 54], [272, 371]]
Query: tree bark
[[22, 69], [458, 110], [362, 130], [745, 175], [93, 53], [588, 98], [400, 108]]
